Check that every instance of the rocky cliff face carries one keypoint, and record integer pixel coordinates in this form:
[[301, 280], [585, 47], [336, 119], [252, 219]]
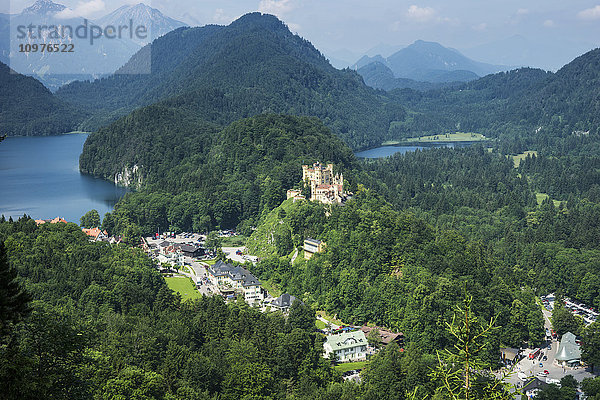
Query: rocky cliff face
[[129, 177]]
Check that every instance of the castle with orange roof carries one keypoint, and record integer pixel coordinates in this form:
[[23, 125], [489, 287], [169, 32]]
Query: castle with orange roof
[[325, 186]]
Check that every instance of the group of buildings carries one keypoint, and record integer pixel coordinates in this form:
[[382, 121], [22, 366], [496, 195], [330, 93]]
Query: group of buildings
[[173, 253]]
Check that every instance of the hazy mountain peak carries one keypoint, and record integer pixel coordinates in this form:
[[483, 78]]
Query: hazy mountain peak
[[141, 14], [44, 7]]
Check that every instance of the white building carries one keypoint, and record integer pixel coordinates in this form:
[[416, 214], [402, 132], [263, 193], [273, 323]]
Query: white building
[[226, 276], [347, 346]]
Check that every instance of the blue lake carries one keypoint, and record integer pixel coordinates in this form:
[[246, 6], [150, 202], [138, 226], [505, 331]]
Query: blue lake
[[39, 176], [386, 151]]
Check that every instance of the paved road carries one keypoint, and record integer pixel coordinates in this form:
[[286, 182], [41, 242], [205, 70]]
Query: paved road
[[230, 253], [331, 324]]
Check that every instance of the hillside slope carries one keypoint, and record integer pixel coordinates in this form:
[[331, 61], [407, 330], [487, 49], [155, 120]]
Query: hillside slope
[[27, 108]]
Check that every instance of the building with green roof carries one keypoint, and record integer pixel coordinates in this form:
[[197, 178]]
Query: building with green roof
[[347, 346], [568, 352]]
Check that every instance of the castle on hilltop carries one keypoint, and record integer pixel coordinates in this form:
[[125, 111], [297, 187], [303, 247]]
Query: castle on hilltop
[[325, 187]]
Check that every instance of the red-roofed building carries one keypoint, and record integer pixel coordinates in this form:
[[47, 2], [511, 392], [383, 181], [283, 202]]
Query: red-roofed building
[[95, 233], [50, 221]]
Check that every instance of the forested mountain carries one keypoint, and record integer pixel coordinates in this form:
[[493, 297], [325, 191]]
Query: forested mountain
[[28, 108], [196, 175], [252, 66]]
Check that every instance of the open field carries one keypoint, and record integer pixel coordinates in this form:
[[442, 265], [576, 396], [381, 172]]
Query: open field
[[233, 241], [320, 324], [183, 286], [343, 367], [540, 197], [442, 138], [517, 159]]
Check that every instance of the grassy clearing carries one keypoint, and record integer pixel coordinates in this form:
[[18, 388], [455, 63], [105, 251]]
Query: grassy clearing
[[320, 324], [234, 241], [540, 197], [271, 288], [519, 157], [210, 262], [343, 367], [441, 138], [183, 286], [330, 318]]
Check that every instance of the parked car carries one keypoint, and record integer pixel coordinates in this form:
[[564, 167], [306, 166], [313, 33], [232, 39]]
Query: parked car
[[549, 347], [541, 365], [545, 358]]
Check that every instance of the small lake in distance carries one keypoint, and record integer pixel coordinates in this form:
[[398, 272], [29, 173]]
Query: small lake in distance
[[39, 176], [386, 151]]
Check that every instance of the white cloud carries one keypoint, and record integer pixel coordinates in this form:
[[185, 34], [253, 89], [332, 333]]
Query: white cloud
[[275, 7], [83, 9], [220, 16], [480, 27], [420, 14], [549, 23], [522, 11], [590, 13]]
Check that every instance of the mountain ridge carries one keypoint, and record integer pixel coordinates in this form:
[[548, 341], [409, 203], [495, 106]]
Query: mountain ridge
[[430, 62]]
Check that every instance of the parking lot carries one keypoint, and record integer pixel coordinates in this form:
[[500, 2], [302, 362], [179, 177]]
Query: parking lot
[[527, 368]]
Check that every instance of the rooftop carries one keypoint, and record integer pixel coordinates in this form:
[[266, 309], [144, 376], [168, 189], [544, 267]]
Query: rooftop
[[568, 349], [347, 340], [236, 273]]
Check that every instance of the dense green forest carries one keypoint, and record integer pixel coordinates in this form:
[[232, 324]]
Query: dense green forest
[[224, 73], [27, 108]]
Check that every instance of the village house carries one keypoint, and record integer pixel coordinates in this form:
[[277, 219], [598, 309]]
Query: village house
[[283, 302], [385, 336], [95, 234], [311, 247], [228, 278], [568, 353], [347, 346]]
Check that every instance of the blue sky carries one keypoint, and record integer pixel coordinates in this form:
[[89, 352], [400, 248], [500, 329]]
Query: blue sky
[[349, 28]]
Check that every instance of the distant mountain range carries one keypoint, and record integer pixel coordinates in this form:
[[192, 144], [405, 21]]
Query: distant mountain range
[[255, 65], [424, 62], [86, 60]]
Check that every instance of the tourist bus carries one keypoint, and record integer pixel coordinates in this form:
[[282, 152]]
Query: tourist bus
[[534, 353]]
